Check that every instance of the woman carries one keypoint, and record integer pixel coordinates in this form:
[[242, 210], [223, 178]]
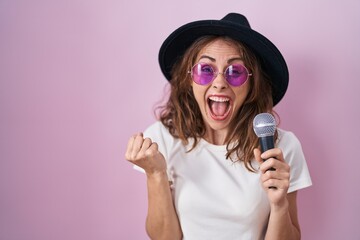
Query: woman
[[206, 176]]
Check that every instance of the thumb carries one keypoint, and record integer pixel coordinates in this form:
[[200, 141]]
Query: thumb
[[257, 154]]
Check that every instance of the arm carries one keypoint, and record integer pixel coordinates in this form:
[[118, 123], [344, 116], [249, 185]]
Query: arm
[[162, 221], [283, 221]]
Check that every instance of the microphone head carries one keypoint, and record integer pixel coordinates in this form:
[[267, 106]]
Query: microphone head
[[264, 125]]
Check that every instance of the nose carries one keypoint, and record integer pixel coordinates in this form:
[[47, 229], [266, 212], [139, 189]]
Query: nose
[[220, 82]]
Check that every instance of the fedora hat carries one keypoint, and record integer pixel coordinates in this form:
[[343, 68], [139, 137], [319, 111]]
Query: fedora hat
[[237, 27]]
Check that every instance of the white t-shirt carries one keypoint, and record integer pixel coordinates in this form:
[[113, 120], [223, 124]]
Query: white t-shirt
[[216, 198]]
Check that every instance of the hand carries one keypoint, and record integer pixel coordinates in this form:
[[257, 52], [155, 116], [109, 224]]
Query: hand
[[275, 175], [145, 154]]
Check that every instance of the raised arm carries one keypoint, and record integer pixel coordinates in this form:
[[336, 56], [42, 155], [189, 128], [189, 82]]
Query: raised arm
[[162, 221]]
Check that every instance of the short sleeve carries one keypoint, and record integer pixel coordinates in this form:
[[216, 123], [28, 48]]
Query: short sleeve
[[294, 156]]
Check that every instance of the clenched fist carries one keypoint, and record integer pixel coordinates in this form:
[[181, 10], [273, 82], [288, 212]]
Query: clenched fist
[[144, 153]]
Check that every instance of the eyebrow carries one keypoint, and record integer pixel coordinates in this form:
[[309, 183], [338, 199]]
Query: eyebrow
[[214, 60], [208, 57]]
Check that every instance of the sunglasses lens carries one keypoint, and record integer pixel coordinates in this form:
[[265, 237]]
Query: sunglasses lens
[[236, 75], [202, 73]]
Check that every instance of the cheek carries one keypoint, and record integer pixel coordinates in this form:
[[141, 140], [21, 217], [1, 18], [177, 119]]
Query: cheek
[[199, 94], [241, 95]]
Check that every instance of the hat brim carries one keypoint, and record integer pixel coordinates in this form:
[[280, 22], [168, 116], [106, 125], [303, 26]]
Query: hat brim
[[271, 59]]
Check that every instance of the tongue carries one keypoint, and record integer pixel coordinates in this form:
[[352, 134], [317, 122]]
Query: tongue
[[218, 108]]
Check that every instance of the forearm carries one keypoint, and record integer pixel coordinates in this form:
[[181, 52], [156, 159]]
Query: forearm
[[280, 225], [162, 221]]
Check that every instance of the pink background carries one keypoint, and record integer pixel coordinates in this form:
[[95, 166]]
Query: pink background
[[69, 102]]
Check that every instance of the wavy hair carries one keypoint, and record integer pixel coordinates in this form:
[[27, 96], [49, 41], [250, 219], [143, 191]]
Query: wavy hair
[[181, 114]]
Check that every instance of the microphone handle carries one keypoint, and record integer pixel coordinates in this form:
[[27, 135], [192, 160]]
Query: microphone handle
[[266, 143]]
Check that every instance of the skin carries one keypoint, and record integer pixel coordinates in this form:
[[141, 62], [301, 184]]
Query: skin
[[162, 221], [219, 54], [283, 220]]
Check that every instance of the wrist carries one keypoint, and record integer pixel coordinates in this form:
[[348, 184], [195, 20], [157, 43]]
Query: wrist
[[157, 175], [281, 206]]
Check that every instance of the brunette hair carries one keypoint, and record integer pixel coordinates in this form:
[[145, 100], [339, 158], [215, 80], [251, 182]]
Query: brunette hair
[[182, 116]]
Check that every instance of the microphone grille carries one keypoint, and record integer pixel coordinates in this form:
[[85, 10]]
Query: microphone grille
[[264, 125]]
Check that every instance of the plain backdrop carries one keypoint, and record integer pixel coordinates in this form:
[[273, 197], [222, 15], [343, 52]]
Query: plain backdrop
[[79, 77]]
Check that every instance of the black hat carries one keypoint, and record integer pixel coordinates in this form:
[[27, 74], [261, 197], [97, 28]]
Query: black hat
[[237, 27]]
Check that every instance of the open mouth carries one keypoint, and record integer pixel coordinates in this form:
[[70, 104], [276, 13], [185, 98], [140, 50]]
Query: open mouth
[[219, 107]]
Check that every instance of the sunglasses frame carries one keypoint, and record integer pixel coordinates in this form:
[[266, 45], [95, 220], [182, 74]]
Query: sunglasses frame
[[216, 73]]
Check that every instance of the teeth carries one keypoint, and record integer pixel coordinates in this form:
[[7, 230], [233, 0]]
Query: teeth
[[219, 99]]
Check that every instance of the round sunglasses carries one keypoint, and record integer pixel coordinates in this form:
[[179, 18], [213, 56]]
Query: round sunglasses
[[204, 73]]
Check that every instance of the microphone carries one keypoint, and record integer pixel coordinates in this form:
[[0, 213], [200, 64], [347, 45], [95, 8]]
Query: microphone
[[264, 125]]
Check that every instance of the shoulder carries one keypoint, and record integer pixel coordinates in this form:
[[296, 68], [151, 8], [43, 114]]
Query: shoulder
[[156, 126], [157, 130], [159, 134], [290, 146], [287, 139]]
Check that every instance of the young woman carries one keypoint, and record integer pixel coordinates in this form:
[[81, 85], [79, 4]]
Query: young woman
[[206, 177]]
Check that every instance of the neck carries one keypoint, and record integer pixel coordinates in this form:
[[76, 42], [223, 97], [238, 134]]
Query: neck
[[216, 137]]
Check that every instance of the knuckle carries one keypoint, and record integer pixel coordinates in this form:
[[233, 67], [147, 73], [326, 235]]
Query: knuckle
[[273, 161], [149, 153], [278, 151], [147, 140], [270, 162], [285, 184], [155, 145], [138, 136], [133, 156], [268, 174]]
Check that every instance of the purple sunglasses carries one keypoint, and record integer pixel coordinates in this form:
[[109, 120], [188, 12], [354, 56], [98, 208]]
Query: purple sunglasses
[[204, 73]]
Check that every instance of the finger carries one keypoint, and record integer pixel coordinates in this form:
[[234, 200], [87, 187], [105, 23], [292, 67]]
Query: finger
[[275, 175], [137, 144], [275, 183], [152, 150], [257, 154], [146, 144], [273, 153], [129, 147], [274, 164], [269, 164]]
